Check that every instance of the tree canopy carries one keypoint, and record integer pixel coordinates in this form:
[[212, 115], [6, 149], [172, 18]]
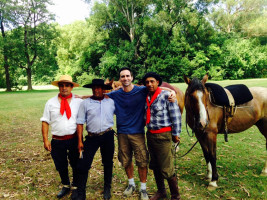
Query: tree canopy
[[226, 38]]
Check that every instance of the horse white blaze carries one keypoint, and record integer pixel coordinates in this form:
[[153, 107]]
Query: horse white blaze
[[209, 171], [202, 110]]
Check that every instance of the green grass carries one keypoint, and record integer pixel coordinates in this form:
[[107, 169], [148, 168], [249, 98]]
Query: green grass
[[27, 170]]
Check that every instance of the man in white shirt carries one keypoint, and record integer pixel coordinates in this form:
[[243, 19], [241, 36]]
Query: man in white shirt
[[97, 113], [60, 113]]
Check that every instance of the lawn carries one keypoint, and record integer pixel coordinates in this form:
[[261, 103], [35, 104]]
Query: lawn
[[27, 170]]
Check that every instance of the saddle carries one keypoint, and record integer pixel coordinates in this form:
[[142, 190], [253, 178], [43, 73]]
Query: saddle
[[229, 98]]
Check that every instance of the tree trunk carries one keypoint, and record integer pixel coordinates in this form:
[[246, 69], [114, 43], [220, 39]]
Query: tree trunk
[[6, 66], [29, 78]]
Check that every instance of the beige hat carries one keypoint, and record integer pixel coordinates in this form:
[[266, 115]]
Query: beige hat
[[65, 79]]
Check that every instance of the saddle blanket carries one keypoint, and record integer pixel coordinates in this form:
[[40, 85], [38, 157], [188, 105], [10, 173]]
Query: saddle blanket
[[240, 93]]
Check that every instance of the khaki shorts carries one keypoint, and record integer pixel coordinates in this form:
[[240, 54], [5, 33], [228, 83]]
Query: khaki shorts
[[161, 153], [129, 144]]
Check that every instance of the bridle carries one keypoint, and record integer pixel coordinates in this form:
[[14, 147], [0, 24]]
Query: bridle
[[202, 132]]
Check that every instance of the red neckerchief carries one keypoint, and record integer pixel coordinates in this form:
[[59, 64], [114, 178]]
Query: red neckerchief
[[65, 105], [155, 95]]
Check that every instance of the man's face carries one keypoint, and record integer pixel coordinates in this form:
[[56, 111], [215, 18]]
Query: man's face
[[126, 78], [98, 91], [152, 84], [65, 88]]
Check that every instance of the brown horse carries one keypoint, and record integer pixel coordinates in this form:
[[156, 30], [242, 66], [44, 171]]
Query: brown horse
[[179, 94], [206, 119]]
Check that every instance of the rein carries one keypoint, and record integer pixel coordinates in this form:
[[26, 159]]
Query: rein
[[203, 131]]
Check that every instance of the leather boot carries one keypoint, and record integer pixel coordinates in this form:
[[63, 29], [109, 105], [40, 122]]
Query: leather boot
[[82, 179], [106, 194], [107, 181], [161, 193], [173, 185]]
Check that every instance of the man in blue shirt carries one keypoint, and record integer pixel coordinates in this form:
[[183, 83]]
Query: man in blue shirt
[[163, 121], [97, 112], [130, 103]]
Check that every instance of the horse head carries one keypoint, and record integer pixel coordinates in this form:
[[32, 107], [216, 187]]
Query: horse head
[[196, 97], [113, 84]]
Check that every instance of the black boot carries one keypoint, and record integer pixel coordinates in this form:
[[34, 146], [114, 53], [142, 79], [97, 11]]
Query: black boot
[[173, 184], [107, 181], [81, 184], [161, 193], [64, 191], [106, 193]]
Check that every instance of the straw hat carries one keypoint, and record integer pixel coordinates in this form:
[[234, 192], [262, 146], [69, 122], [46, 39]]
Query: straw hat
[[65, 79]]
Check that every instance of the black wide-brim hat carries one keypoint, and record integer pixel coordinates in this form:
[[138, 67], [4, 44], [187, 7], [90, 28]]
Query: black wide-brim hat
[[152, 74], [98, 82]]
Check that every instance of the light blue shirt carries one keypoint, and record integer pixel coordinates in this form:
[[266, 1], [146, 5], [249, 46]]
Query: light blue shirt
[[98, 115]]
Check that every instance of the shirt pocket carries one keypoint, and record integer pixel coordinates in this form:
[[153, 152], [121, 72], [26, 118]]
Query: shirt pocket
[[158, 111]]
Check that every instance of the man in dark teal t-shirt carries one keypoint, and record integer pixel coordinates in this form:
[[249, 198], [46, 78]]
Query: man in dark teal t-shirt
[[129, 109]]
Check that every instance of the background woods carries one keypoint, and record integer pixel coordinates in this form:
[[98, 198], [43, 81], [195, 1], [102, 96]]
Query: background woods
[[226, 38]]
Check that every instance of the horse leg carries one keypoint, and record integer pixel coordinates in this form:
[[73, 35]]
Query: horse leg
[[206, 156], [208, 144], [262, 126]]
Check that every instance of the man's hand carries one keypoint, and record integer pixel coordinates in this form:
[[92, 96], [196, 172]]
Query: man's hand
[[172, 97], [80, 146], [175, 139], [47, 146]]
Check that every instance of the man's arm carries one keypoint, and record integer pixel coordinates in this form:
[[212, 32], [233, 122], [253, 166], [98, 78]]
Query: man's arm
[[175, 117], [82, 96], [45, 128], [172, 97], [80, 137]]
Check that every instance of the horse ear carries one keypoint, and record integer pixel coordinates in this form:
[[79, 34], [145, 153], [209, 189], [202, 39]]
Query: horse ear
[[107, 81], [187, 80], [205, 78], [111, 81]]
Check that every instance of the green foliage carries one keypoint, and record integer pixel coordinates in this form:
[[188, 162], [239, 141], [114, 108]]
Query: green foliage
[[85, 78], [244, 58], [226, 38]]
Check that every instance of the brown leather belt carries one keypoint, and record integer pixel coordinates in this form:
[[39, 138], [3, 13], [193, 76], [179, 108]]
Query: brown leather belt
[[65, 137], [99, 134]]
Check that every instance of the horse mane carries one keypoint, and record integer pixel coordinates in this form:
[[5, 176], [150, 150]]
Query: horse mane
[[195, 84]]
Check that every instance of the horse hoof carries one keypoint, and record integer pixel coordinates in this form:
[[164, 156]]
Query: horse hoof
[[212, 185], [211, 188]]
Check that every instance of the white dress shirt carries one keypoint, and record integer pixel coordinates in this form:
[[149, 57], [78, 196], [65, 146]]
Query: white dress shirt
[[60, 124]]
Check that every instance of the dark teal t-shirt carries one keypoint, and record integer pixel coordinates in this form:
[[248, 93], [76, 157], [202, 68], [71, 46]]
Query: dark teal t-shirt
[[130, 109]]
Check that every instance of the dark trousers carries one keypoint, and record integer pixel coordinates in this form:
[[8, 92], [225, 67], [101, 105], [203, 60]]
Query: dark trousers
[[106, 144], [62, 151]]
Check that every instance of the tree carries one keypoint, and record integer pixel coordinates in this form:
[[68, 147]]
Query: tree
[[32, 30], [6, 8], [240, 16]]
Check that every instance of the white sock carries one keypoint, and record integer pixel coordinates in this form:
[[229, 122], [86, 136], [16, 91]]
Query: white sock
[[143, 186], [131, 181], [66, 186]]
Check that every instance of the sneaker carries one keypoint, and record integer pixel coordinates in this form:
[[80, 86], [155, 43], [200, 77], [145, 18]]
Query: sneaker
[[143, 195], [129, 190]]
